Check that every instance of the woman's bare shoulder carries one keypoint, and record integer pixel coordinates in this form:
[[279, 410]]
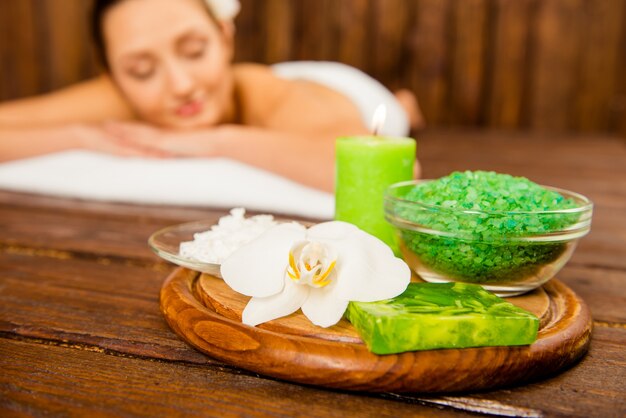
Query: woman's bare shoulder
[[292, 104], [249, 70], [259, 90], [257, 83], [93, 100]]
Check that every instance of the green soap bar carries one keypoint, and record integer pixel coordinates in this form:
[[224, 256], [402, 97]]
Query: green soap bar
[[441, 315]]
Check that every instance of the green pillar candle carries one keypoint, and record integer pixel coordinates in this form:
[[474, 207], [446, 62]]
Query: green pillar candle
[[365, 167]]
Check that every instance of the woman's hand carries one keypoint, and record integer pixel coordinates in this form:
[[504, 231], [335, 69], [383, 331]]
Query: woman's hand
[[307, 159], [98, 138], [158, 142]]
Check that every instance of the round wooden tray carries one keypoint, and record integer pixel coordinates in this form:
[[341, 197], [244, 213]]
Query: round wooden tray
[[206, 313]]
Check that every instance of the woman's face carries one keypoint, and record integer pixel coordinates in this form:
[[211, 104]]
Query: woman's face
[[171, 61]]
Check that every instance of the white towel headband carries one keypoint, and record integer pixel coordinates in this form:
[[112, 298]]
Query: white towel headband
[[224, 9]]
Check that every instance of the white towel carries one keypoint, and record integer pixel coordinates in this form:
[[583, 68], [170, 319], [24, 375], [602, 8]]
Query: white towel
[[217, 182]]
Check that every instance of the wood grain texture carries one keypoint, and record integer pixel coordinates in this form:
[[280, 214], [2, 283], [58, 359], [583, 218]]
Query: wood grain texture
[[469, 41], [251, 32], [279, 44], [389, 41], [21, 70], [38, 380], [609, 381], [430, 58], [600, 52], [90, 303], [79, 303], [297, 352], [507, 75], [555, 47], [618, 103], [77, 62], [353, 39]]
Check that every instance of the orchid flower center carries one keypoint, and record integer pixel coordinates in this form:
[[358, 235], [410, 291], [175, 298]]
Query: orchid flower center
[[311, 263]]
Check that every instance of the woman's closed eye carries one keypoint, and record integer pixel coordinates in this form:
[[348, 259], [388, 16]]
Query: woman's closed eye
[[141, 69], [192, 48]]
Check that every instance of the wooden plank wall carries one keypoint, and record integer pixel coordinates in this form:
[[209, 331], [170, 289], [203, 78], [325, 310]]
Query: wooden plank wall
[[550, 65]]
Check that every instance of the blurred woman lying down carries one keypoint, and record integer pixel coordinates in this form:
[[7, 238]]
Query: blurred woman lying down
[[171, 90]]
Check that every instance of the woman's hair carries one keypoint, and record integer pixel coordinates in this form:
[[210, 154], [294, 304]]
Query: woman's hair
[[100, 7]]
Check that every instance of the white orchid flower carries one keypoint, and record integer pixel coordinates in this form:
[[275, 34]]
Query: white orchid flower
[[319, 270]]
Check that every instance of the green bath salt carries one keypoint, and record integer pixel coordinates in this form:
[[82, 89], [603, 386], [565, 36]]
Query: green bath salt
[[482, 221], [441, 315]]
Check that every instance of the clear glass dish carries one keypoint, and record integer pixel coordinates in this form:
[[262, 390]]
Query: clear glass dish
[[166, 243], [453, 245]]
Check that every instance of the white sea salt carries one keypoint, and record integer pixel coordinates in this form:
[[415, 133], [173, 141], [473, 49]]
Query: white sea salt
[[231, 232]]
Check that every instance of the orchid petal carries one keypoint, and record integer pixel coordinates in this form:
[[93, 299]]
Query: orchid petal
[[331, 231], [258, 268], [259, 310], [323, 308], [367, 269]]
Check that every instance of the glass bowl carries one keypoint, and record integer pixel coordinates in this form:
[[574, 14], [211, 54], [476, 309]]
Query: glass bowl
[[508, 253], [166, 244]]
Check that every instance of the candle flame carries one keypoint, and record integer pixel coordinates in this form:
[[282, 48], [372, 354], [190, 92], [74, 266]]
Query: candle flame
[[378, 120]]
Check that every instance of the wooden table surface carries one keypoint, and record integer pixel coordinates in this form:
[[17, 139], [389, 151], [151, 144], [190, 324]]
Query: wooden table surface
[[81, 332]]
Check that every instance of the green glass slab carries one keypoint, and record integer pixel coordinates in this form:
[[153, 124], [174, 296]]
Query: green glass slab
[[441, 315]]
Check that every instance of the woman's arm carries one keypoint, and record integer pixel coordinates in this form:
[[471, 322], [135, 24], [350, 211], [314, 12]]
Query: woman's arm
[[16, 143], [61, 120], [307, 159], [91, 101]]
